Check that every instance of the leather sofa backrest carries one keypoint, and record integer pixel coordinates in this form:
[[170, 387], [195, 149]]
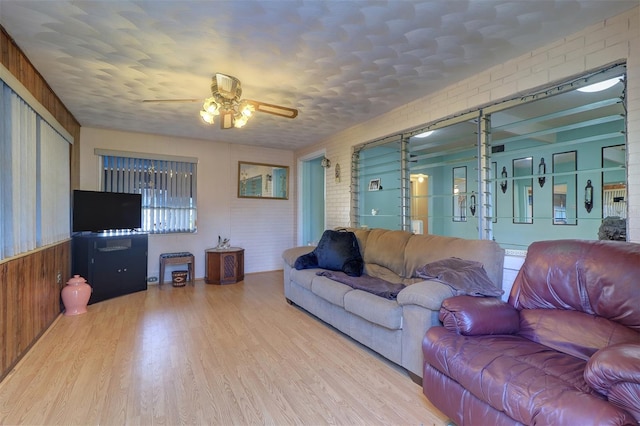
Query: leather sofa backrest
[[593, 288]]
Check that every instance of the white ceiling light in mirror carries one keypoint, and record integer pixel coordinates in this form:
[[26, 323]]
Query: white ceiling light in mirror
[[601, 85], [424, 134]]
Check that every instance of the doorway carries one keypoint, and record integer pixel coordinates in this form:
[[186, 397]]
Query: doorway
[[311, 223], [419, 203]]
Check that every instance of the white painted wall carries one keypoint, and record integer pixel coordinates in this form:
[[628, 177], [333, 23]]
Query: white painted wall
[[606, 42], [512, 263], [264, 228]]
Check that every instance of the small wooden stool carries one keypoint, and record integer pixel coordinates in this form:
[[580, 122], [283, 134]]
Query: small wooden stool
[[179, 258]]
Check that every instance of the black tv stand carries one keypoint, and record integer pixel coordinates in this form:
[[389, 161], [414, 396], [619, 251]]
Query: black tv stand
[[113, 264]]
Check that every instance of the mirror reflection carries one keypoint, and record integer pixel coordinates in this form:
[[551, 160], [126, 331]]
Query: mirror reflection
[[459, 194], [564, 189], [614, 188], [523, 190], [257, 180]]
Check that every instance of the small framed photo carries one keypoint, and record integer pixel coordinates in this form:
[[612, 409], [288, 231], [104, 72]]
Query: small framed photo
[[374, 185]]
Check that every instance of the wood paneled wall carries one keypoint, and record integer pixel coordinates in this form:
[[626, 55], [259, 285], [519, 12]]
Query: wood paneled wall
[[19, 65], [29, 287]]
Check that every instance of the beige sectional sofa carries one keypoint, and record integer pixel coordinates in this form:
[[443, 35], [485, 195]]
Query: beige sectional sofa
[[393, 328]]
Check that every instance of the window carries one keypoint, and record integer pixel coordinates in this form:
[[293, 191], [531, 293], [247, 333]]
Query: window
[[34, 174], [167, 186]]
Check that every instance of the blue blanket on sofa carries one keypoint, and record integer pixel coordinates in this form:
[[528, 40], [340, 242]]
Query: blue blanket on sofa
[[367, 283]]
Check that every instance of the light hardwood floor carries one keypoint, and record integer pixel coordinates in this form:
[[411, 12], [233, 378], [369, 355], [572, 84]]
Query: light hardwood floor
[[207, 354]]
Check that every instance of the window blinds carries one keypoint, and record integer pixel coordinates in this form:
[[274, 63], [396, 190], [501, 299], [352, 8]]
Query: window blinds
[[168, 189]]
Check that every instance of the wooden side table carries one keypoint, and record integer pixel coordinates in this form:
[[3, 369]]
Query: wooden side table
[[224, 266]]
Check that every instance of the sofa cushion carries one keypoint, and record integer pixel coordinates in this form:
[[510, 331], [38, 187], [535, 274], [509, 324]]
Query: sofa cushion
[[386, 248], [375, 309], [303, 278], [529, 382], [423, 249], [292, 254], [595, 277], [464, 276], [574, 333], [381, 272], [330, 290], [336, 251]]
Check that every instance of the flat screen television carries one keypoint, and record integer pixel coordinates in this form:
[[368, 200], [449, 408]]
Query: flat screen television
[[96, 211]]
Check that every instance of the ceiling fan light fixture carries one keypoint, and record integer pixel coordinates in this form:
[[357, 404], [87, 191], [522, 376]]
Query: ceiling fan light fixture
[[246, 109], [211, 106], [228, 86], [240, 120], [206, 117]]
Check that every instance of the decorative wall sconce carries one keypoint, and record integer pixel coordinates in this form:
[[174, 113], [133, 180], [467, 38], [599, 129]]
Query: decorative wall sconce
[[588, 196], [337, 173], [325, 163], [503, 184], [542, 169], [472, 207]]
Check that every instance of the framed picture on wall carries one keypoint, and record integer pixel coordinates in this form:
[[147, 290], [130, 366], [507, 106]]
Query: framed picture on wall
[[374, 185]]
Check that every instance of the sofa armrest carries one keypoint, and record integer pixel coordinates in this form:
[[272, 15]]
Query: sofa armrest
[[290, 255], [427, 294], [469, 315], [614, 371]]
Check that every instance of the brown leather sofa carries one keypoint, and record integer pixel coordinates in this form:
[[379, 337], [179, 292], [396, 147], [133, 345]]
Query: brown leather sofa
[[564, 350]]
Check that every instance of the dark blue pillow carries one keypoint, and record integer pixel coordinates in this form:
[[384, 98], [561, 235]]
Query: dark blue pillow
[[306, 261], [336, 251]]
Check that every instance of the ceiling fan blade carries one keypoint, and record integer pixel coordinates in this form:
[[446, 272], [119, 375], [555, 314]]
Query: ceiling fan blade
[[171, 100], [274, 109], [226, 119]]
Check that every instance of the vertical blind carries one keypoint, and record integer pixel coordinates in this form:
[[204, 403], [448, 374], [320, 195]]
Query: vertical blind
[[34, 178], [168, 189]]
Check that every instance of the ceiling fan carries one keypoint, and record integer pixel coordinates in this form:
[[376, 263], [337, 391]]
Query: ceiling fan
[[225, 101]]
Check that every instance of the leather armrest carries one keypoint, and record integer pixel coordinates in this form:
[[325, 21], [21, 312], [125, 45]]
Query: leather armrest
[[469, 315], [614, 371]]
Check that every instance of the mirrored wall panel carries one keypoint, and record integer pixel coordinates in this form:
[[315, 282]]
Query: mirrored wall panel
[[614, 188], [523, 190], [459, 194], [564, 188]]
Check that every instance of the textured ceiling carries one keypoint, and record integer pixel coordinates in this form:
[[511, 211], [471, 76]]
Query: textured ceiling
[[338, 62]]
